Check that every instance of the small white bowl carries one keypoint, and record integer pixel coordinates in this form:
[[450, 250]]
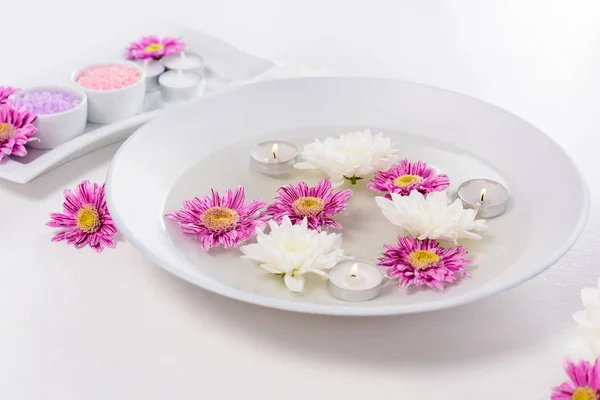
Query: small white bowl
[[108, 106], [56, 129]]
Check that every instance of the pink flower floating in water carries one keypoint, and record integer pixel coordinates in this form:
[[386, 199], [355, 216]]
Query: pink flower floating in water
[[85, 220], [6, 91], [154, 47], [16, 129], [317, 204], [215, 220], [423, 262], [405, 177], [585, 382]]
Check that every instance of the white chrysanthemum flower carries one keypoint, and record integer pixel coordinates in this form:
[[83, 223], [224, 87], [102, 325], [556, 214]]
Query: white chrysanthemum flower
[[352, 156], [587, 345], [294, 250], [430, 217]]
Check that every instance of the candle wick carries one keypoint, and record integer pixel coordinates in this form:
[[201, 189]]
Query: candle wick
[[274, 156], [482, 196], [353, 275]]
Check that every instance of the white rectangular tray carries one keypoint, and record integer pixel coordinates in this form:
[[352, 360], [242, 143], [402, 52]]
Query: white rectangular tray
[[226, 67]]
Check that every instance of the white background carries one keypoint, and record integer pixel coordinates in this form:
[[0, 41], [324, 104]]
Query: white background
[[78, 325]]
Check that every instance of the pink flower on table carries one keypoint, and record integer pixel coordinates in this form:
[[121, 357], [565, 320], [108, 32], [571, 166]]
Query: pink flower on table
[[405, 177], [6, 91], [317, 204], [16, 129], [423, 262], [584, 384], [85, 220], [154, 47], [224, 220]]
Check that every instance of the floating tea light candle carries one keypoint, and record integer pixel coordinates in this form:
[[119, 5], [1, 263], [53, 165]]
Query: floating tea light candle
[[153, 70], [176, 86], [115, 91], [61, 113], [184, 62], [485, 195], [355, 281], [273, 157]]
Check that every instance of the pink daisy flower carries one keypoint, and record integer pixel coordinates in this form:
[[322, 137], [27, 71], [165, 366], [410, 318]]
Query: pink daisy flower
[[215, 220], [16, 129], [85, 220], [405, 177], [154, 47], [6, 91], [317, 204], [584, 384], [423, 262]]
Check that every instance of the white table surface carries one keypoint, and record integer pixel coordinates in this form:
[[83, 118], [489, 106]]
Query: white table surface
[[78, 325]]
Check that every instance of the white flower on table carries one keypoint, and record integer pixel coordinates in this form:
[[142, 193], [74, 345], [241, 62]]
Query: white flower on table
[[430, 217], [587, 344], [352, 156], [294, 250]]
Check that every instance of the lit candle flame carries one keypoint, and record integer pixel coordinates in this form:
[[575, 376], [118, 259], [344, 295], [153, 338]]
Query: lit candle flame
[[182, 54], [354, 270], [274, 150], [483, 193]]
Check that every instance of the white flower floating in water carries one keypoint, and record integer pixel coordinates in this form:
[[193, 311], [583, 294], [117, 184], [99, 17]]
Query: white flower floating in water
[[587, 345], [294, 250], [431, 217], [352, 156]]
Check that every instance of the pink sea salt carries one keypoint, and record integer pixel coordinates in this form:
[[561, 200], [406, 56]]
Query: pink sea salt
[[108, 77]]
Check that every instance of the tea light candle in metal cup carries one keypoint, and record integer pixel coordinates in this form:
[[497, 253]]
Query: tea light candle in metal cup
[[153, 70], [355, 281], [273, 157], [487, 196], [184, 62], [178, 86]]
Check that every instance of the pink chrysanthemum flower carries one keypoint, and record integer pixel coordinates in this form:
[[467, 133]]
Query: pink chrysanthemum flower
[[585, 382], [317, 204], [215, 220], [423, 262], [16, 129], [6, 91], [154, 47], [405, 177], [85, 220]]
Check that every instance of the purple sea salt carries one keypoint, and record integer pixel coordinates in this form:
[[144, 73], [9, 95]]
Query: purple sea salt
[[48, 102]]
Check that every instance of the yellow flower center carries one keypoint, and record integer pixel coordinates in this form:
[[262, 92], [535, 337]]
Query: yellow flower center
[[154, 47], [584, 393], [422, 259], [405, 180], [88, 219], [6, 131], [219, 219], [308, 206]]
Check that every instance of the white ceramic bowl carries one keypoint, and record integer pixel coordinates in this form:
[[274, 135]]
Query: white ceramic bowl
[[108, 106], [209, 144], [56, 129]]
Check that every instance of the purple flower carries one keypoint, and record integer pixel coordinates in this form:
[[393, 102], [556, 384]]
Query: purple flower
[[585, 382], [423, 262], [154, 47], [16, 129], [317, 204], [85, 220], [405, 177], [6, 91], [215, 220]]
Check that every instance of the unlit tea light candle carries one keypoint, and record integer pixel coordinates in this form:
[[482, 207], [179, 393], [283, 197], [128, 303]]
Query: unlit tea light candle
[[273, 157], [355, 281], [487, 196], [180, 85], [153, 70], [184, 62]]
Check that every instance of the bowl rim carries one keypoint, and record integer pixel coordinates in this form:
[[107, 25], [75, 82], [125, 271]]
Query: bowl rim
[[347, 310]]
